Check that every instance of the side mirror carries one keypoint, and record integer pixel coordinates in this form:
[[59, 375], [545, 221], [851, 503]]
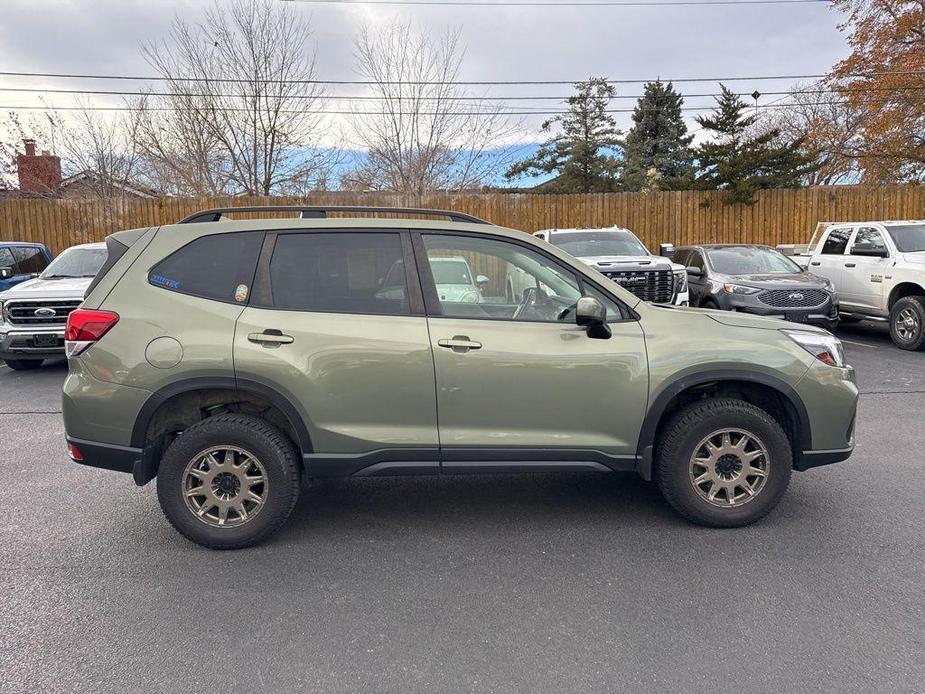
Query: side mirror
[[666, 250], [694, 271], [481, 280], [870, 251], [591, 314], [6, 273]]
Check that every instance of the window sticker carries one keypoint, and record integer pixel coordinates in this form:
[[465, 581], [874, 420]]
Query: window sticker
[[240, 293], [165, 281]]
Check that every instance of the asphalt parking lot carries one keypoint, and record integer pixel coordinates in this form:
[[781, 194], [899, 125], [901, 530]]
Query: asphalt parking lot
[[545, 583]]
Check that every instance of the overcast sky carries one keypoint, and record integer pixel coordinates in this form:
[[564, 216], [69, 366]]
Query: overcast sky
[[510, 43]]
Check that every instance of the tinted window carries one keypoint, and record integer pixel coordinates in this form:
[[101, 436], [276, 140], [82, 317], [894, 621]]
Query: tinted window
[[220, 266], [696, 260], [680, 256], [29, 260], [748, 260], [868, 239], [342, 272], [6, 258], [516, 282], [836, 242], [909, 238]]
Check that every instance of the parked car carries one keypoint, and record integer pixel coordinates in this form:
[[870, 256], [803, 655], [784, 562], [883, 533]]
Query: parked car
[[33, 314], [20, 261], [453, 277], [618, 254], [230, 360], [757, 279], [879, 271]]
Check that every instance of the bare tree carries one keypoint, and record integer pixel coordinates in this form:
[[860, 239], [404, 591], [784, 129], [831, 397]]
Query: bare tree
[[99, 146], [826, 125], [243, 112], [423, 131]]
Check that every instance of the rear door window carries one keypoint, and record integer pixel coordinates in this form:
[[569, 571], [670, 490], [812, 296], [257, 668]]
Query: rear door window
[[836, 242], [219, 267], [339, 272], [29, 259], [6, 259]]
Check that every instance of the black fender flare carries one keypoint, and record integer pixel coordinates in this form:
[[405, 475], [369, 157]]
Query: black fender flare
[[693, 376], [275, 396]]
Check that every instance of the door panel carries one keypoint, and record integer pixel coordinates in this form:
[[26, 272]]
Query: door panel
[[829, 262], [361, 382], [862, 281], [542, 385]]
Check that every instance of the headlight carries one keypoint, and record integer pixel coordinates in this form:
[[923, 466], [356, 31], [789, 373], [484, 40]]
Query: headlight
[[826, 348], [680, 281], [739, 289]]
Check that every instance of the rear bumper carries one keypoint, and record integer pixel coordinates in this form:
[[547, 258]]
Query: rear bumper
[[811, 459], [106, 455]]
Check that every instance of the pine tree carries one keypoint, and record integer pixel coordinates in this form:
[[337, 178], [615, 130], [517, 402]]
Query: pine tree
[[580, 153], [744, 163], [657, 150]]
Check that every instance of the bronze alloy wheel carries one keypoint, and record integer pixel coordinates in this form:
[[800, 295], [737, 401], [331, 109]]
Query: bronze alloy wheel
[[225, 486], [729, 467]]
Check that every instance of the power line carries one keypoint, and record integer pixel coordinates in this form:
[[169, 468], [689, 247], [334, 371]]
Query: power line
[[560, 3], [230, 80], [351, 97]]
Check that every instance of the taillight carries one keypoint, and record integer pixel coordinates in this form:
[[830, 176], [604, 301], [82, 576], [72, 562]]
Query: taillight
[[84, 327]]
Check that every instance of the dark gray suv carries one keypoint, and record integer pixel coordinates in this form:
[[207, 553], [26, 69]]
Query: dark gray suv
[[757, 279]]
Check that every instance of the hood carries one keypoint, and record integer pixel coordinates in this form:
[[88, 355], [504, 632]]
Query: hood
[[69, 288], [741, 320], [615, 263], [780, 280]]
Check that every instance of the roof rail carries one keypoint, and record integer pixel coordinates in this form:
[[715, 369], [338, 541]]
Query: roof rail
[[321, 212]]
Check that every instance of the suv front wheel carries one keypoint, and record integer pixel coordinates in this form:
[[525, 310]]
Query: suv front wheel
[[229, 481], [723, 462]]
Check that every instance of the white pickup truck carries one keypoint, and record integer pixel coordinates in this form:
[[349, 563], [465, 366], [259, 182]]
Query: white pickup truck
[[878, 269]]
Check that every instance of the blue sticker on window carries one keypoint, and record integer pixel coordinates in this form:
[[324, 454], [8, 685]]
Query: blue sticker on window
[[165, 282]]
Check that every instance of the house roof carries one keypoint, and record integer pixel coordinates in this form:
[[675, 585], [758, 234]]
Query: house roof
[[91, 177]]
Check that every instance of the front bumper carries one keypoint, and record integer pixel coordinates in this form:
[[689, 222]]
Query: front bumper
[[830, 396], [825, 316], [32, 344]]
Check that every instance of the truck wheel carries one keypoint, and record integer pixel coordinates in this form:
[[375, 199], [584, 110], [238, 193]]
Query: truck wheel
[[23, 364], [907, 322], [229, 481], [723, 462]]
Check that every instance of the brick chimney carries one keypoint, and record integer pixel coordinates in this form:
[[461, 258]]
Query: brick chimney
[[39, 174]]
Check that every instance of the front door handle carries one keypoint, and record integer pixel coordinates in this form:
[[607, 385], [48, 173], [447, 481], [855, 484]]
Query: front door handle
[[815, 262], [460, 343], [849, 264], [271, 337]]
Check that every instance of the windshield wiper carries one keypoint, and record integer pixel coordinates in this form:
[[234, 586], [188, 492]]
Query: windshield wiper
[[56, 277]]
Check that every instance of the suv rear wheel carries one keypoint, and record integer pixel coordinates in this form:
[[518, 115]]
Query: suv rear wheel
[[229, 481], [23, 364], [723, 462], [907, 322]]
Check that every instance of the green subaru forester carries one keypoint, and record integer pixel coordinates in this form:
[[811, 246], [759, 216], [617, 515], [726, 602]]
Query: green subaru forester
[[231, 359]]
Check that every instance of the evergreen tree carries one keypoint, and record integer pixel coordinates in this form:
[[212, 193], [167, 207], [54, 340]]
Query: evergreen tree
[[580, 154], [744, 163], [656, 152]]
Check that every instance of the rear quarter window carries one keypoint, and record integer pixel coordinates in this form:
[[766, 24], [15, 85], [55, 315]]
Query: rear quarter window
[[219, 267]]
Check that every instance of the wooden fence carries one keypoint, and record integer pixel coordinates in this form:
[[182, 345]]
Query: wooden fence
[[779, 216]]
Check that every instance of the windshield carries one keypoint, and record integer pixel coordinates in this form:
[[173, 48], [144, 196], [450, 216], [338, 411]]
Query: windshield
[[587, 244], [76, 262], [450, 272], [748, 260], [909, 238]]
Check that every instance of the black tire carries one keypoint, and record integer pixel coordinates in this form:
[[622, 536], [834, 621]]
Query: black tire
[[274, 451], [908, 337], [679, 441], [23, 364]]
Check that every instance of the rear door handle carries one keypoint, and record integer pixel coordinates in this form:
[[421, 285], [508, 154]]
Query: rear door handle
[[460, 343], [271, 337], [850, 264]]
